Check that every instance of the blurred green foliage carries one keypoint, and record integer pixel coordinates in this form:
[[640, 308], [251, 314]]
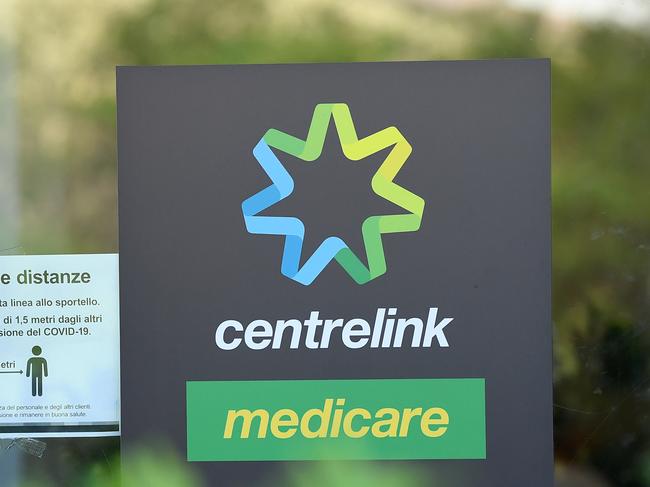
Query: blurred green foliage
[[147, 467], [354, 474], [66, 53], [156, 466], [151, 467]]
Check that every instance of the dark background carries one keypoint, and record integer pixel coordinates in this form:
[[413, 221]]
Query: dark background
[[480, 133]]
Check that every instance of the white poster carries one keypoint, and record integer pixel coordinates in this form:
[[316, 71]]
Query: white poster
[[59, 346]]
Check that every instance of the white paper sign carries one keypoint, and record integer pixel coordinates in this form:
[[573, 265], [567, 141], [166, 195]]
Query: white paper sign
[[59, 346]]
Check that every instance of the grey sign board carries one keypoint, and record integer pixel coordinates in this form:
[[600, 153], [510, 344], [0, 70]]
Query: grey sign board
[[288, 229]]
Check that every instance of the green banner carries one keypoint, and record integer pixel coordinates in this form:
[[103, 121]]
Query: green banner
[[336, 419]]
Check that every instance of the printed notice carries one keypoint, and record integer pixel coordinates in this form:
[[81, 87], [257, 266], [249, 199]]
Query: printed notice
[[59, 346]]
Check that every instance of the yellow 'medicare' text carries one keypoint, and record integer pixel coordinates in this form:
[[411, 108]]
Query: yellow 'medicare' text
[[333, 421]]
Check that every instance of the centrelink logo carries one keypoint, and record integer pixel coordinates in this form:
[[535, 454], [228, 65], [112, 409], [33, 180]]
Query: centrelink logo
[[382, 184]]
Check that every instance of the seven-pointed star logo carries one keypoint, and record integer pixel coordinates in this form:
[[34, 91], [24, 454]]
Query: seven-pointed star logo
[[382, 184]]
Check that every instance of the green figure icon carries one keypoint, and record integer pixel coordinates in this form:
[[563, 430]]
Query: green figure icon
[[37, 369]]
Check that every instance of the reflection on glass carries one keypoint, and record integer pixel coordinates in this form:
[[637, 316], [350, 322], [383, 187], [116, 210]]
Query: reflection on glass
[[58, 164]]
